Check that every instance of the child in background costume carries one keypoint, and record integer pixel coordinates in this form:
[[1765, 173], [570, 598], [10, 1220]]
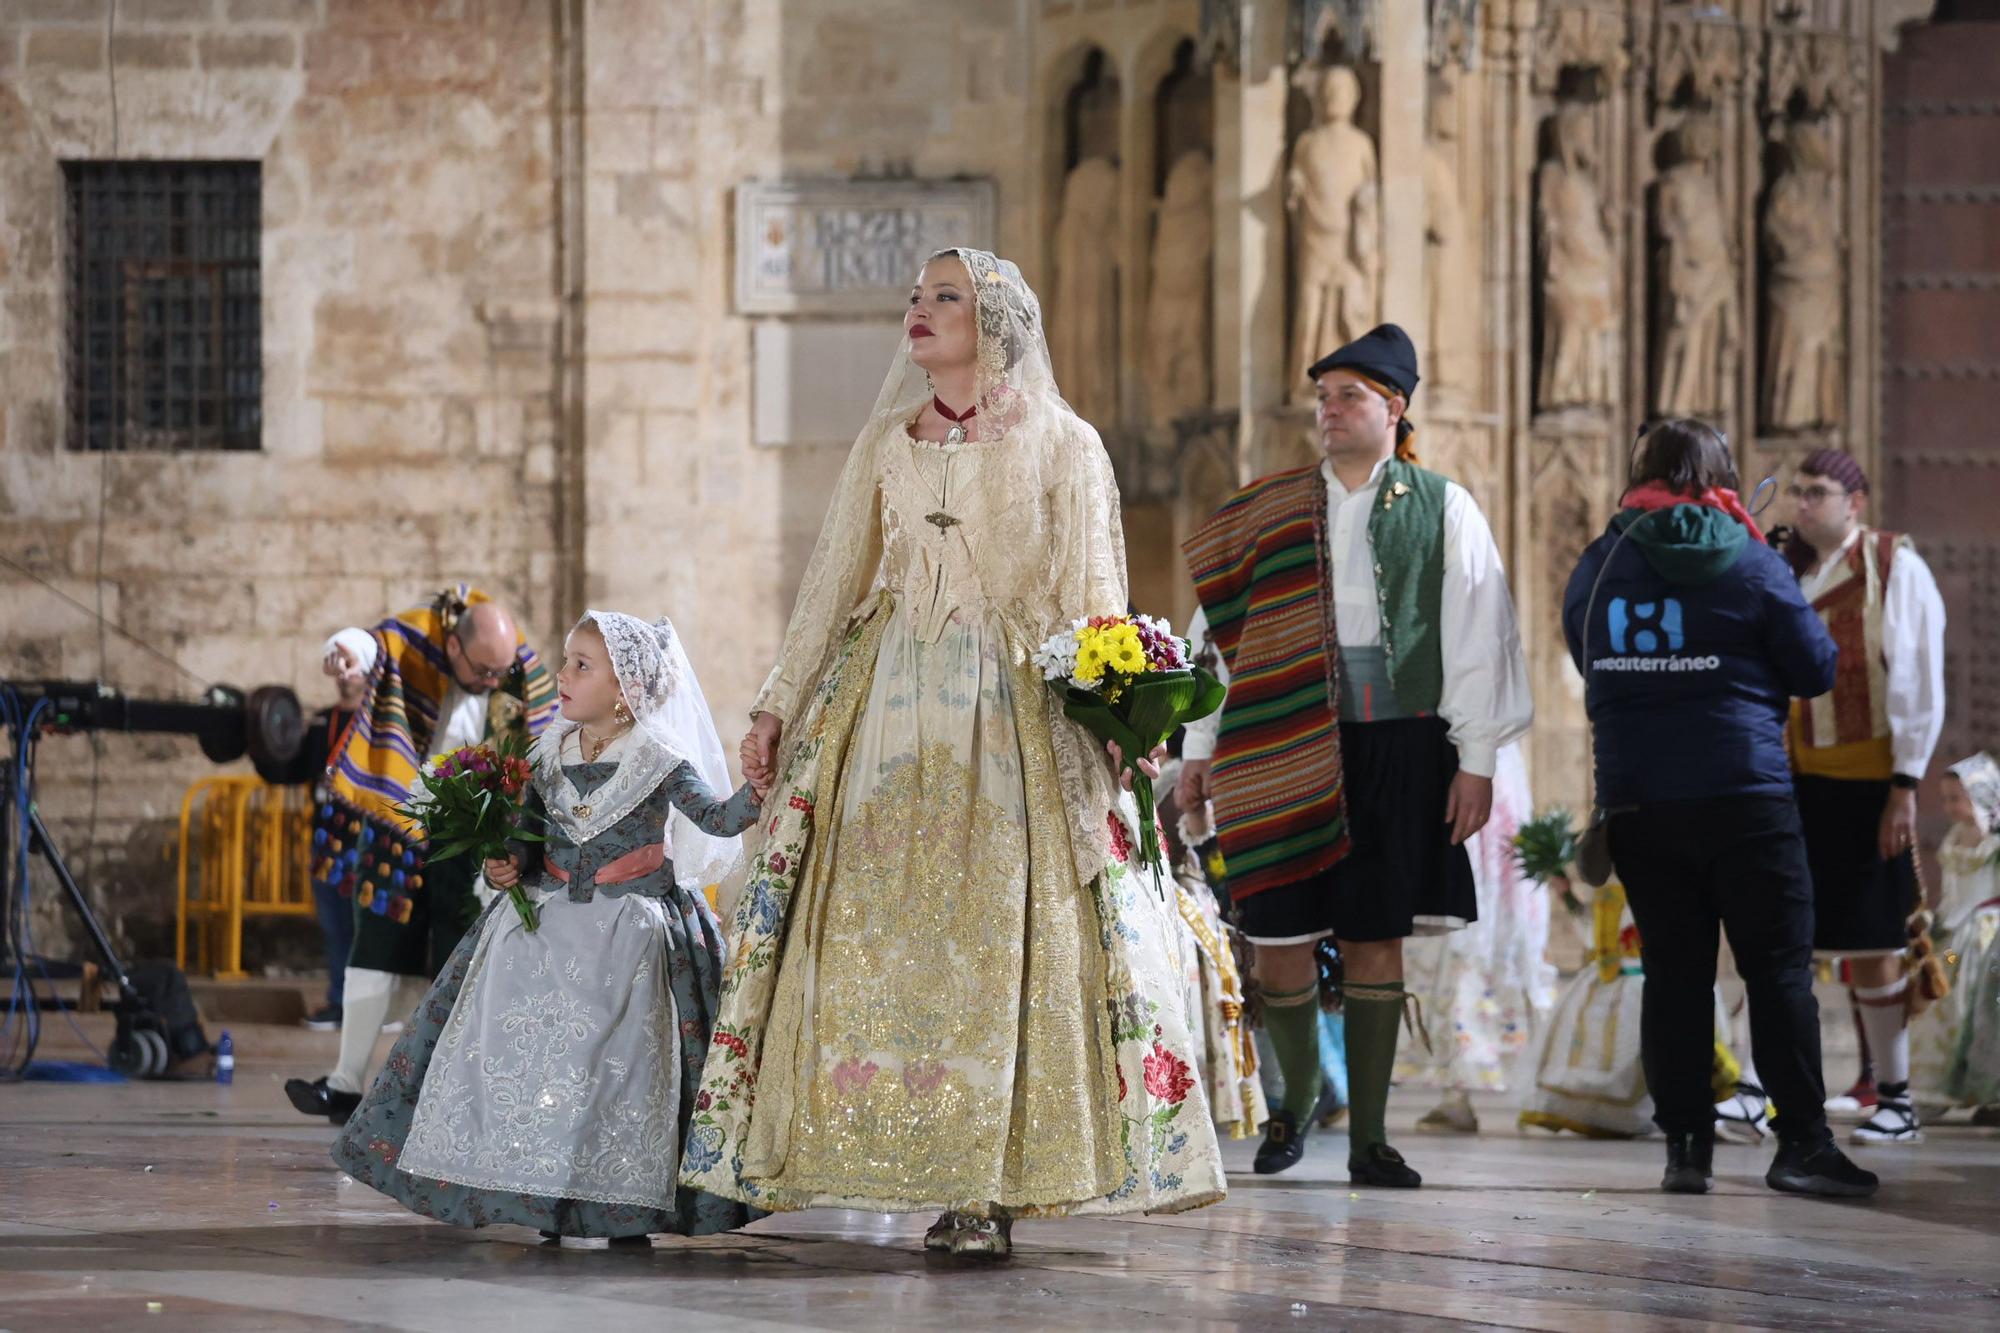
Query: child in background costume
[[1955, 1044], [548, 1077], [1485, 989], [1585, 1073]]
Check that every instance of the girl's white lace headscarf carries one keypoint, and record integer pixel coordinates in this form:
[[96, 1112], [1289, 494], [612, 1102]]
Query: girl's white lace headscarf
[[669, 712]]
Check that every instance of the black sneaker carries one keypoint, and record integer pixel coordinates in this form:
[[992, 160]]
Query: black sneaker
[[1282, 1147], [315, 1098], [326, 1018], [1379, 1164], [1690, 1164], [1818, 1166]]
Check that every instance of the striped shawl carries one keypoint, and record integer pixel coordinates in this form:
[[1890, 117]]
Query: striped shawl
[[375, 765], [1261, 570]]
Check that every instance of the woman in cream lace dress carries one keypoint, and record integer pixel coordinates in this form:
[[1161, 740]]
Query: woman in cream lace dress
[[945, 991]]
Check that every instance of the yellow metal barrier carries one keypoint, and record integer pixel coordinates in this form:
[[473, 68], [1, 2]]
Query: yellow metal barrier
[[245, 850]]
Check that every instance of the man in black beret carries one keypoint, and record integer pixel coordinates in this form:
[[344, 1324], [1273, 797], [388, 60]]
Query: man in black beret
[[1374, 671]]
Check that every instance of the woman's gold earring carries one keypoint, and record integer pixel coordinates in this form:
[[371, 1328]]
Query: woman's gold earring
[[621, 713]]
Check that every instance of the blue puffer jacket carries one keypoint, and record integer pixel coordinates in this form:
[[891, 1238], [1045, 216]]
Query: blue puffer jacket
[[1698, 641]]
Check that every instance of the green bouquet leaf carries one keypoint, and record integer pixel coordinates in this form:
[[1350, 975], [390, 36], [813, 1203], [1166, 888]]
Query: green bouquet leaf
[[1545, 848]]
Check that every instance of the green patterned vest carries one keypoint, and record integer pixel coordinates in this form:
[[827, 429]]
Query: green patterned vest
[[1406, 534]]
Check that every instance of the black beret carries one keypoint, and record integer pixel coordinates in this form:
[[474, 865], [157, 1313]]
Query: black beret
[[1384, 354]]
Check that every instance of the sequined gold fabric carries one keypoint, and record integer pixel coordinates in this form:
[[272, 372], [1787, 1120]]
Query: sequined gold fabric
[[924, 1007], [938, 1029]]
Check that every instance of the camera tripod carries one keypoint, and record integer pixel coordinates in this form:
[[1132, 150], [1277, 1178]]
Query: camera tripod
[[140, 1047]]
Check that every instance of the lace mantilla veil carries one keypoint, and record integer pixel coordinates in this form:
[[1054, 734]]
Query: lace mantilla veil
[[671, 726], [1055, 499]]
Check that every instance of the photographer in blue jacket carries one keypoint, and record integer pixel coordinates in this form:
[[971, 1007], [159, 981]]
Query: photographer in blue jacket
[[1693, 639]]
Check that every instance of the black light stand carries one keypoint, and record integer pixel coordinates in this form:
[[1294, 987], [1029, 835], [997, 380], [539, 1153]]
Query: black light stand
[[267, 725]]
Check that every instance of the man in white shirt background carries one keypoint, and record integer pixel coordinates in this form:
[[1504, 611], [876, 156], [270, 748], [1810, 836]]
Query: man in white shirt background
[[1858, 753], [1374, 670]]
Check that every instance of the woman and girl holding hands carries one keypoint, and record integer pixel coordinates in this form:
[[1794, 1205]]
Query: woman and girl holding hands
[[944, 990]]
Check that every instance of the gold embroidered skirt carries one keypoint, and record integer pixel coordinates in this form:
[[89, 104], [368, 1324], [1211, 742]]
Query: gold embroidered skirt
[[924, 1008]]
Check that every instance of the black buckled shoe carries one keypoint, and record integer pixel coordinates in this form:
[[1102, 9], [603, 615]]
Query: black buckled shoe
[[1282, 1147], [1818, 1166], [1379, 1164], [315, 1098], [1690, 1164]]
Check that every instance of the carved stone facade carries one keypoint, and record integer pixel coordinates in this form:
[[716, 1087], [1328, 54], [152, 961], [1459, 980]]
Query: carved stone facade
[[508, 334], [1629, 209]]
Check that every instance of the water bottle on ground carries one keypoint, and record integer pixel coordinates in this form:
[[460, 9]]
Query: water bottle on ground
[[225, 1060]]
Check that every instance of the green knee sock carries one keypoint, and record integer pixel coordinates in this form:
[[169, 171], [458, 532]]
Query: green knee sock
[[1374, 1012], [1293, 1022]]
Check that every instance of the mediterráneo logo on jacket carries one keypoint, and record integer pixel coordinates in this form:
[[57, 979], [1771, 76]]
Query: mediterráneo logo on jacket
[[1649, 636]]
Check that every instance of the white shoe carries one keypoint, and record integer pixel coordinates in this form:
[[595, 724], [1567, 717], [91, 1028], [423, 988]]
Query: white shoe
[[1893, 1122], [1740, 1116], [1857, 1103]]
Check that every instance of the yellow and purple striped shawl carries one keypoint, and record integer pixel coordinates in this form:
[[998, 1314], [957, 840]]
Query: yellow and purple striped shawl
[[1262, 571], [389, 740]]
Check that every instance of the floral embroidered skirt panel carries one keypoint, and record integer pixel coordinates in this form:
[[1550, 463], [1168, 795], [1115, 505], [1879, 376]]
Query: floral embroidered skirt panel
[[924, 1008]]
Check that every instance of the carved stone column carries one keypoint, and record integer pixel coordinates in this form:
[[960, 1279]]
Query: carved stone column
[[1578, 383]]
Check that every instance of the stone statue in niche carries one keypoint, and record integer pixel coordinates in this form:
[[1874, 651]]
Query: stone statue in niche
[[1579, 318], [1698, 319], [1177, 310], [1331, 194], [1802, 307], [1453, 298], [1083, 325]]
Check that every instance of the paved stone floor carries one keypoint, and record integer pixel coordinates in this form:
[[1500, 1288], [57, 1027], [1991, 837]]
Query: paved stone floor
[[192, 1206]]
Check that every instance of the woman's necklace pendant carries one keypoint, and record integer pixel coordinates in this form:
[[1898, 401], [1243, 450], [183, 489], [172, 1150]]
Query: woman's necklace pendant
[[955, 436]]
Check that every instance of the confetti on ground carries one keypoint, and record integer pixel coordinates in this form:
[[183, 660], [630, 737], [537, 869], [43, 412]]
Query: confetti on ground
[[154, 1307]]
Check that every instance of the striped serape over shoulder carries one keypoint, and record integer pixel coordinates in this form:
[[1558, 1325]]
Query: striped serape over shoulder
[[1262, 572], [389, 740]]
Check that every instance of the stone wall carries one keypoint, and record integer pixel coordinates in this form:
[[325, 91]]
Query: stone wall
[[501, 339], [686, 516], [409, 312]]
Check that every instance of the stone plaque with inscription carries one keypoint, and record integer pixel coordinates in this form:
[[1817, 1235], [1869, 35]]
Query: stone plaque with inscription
[[848, 247]]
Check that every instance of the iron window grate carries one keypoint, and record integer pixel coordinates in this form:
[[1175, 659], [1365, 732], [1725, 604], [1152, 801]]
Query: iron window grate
[[165, 305]]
